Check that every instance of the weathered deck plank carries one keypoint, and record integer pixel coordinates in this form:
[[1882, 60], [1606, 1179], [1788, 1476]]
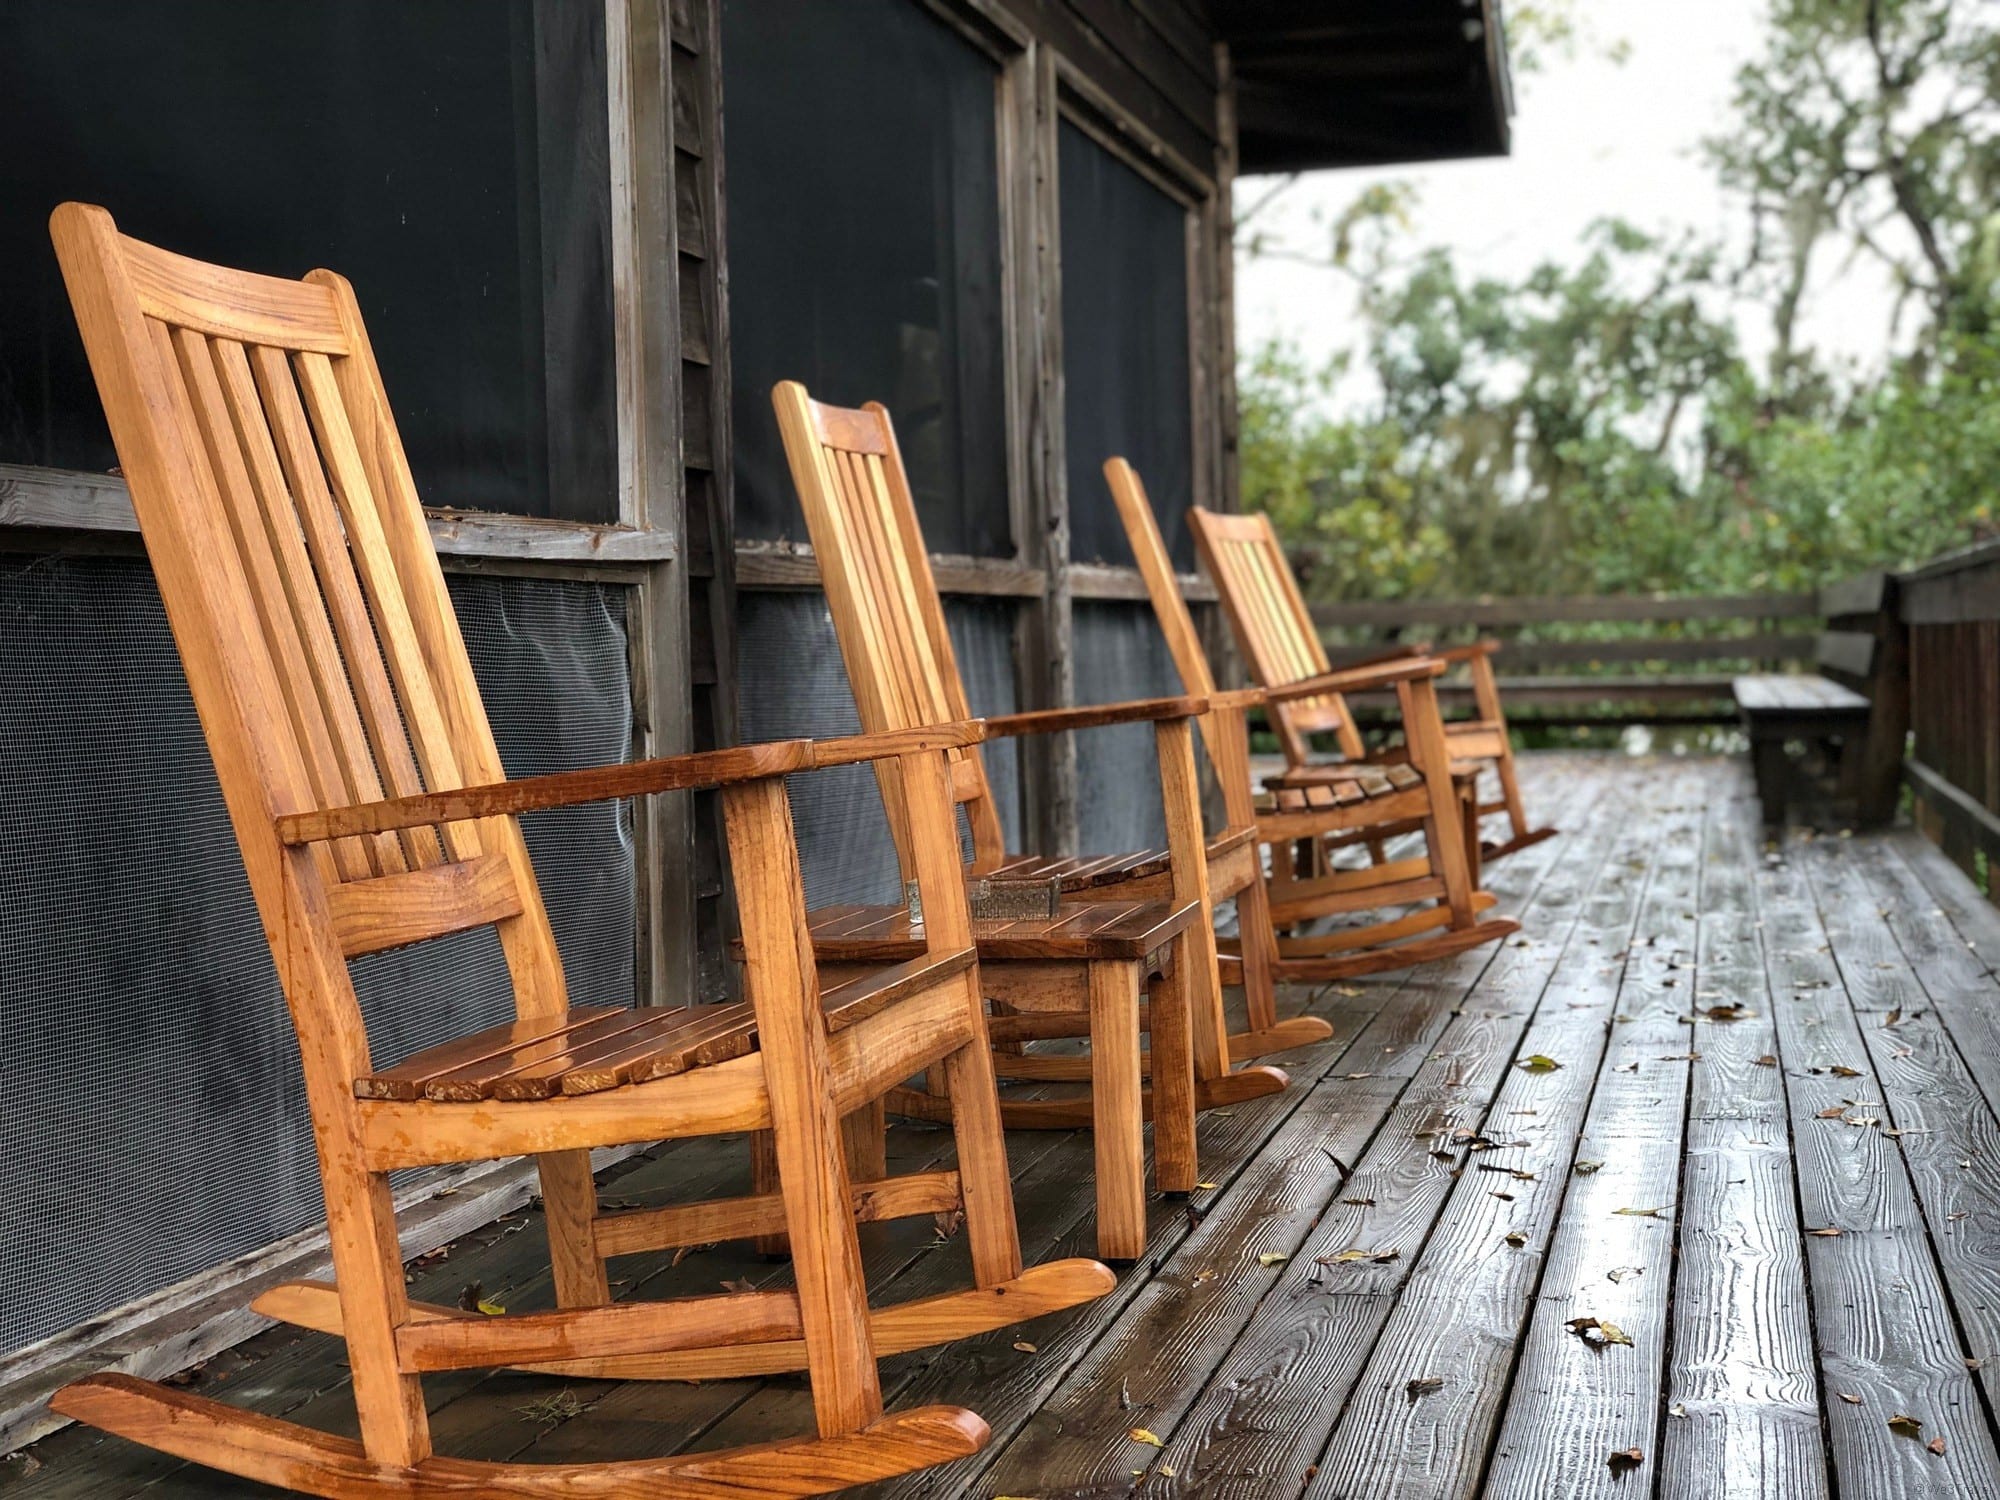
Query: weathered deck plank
[[1742, 1418], [1290, 1379]]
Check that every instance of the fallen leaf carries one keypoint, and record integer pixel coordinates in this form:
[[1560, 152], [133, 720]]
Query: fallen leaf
[[1585, 1168], [1140, 1435], [1350, 1257], [1767, 1061], [948, 1223], [1598, 1333], [1624, 1460], [1974, 1364], [1682, 1057], [1517, 1239], [1272, 1258], [1828, 1233], [1538, 1064], [1678, 1409], [1348, 990], [1630, 1067], [1207, 1187], [738, 1286], [1423, 1385], [1936, 1445], [1360, 1202], [1638, 1213], [1624, 1273], [1905, 1425], [1729, 1013], [1024, 1346], [1849, 1397], [1841, 1070], [1893, 1017], [1837, 1112]]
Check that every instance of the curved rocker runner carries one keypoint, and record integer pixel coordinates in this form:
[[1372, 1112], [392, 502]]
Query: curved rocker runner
[[372, 812]]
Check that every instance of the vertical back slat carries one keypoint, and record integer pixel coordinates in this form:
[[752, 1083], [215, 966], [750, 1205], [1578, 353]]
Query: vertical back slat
[[352, 858], [381, 715], [326, 674], [369, 549]]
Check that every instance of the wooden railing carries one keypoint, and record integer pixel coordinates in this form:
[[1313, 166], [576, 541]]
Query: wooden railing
[[1629, 659], [1951, 610]]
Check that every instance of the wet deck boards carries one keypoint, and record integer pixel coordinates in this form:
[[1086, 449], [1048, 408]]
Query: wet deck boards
[[1754, 1049]]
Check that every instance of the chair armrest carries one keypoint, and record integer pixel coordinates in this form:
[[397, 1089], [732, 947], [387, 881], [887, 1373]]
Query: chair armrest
[[1467, 653], [1388, 653], [1094, 716], [639, 778], [1239, 698], [1357, 679]]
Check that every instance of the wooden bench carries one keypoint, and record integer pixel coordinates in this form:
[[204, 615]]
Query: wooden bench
[[1841, 728]]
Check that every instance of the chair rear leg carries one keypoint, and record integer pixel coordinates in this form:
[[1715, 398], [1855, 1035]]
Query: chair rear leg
[[569, 1204], [1172, 1026]]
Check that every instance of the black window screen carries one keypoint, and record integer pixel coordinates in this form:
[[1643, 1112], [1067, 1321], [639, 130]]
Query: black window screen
[[450, 157], [864, 250], [1120, 654], [793, 682], [1125, 348], [155, 1124]]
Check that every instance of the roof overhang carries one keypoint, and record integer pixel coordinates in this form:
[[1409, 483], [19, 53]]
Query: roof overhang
[[1354, 83]]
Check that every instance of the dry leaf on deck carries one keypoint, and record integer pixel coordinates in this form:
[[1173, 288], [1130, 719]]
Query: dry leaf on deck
[[1638, 1213], [1585, 1168], [1849, 1397], [1140, 1435], [1517, 1239], [1729, 1013], [1905, 1425], [738, 1286], [1538, 1064], [1841, 1070], [1024, 1346], [1625, 1459], [1837, 1112], [1424, 1385], [1597, 1333], [1624, 1273], [1360, 1202], [1272, 1258], [1351, 1257], [1936, 1445], [1828, 1233]]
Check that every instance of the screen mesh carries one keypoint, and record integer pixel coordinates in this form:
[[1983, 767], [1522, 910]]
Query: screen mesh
[[793, 683], [1127, 386], [156, 1123], [864, 250], [1119, 655], [449, 158]]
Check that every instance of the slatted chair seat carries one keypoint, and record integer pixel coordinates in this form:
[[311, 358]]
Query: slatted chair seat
[[1090, 872], [1127, 930], [1329, 786], [592, 1049]]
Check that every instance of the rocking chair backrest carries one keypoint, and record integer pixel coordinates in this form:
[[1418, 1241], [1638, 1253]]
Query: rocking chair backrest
[[1223, 730], [1272, 624], [305, 596], [884, 600]]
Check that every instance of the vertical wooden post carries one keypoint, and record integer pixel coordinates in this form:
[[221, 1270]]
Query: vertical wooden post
[[1881, 768]]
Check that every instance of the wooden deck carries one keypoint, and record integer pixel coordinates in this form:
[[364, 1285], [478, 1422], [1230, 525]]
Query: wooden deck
[[1766, 1151]]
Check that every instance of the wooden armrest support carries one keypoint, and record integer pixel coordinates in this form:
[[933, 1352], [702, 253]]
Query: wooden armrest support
[[639, 778], [1467, 653], [1357, 679], [1094, 716]]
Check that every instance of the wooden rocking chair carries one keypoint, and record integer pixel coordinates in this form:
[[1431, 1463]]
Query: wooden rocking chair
[[1261, 596], [1421, 794], [330, 675], [891, 625]]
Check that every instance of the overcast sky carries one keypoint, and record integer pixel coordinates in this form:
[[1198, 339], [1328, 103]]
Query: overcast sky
[[1592, 138]]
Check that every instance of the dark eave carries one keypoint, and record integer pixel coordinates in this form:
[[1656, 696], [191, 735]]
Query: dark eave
[[1354, 83]]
